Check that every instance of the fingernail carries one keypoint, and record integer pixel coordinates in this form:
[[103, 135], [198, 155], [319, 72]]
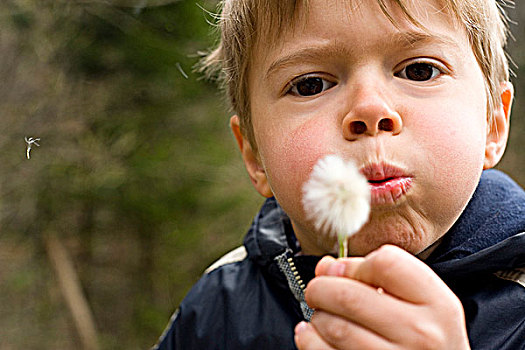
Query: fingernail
[[336, 269], [301, 327]]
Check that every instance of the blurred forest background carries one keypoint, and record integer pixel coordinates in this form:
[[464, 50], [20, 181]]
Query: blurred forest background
[[136, 186]]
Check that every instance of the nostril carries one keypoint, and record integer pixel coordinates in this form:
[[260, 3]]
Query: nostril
[[358, 127], [386, 124]]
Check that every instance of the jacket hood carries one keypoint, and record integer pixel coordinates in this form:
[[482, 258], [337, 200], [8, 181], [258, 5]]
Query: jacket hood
[[488, 236], [270, 234]]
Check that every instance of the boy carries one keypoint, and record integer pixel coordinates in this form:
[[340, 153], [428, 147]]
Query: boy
[[417, 94]]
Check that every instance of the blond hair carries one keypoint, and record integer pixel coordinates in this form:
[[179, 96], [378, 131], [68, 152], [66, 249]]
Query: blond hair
[[243, 22]]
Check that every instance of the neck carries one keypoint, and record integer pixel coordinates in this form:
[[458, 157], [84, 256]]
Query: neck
[[312, 244]]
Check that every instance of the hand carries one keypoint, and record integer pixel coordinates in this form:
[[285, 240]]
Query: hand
[[386, 300]]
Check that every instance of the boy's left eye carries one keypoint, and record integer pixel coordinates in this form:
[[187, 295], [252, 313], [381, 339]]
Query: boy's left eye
[[420, 71]]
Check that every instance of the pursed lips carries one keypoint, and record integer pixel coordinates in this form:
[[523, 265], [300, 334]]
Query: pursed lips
[[388, 183]]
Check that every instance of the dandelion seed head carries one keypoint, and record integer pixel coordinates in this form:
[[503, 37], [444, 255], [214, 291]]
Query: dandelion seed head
[[336, 197]]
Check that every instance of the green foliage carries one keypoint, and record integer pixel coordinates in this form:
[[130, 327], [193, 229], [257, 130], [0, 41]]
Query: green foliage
[[137, 170]]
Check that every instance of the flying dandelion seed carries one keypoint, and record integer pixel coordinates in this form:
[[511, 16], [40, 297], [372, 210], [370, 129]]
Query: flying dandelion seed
[[337, 199], [30, 142]]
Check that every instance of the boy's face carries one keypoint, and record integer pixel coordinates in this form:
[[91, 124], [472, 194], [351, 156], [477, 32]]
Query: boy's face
[[408, 105]]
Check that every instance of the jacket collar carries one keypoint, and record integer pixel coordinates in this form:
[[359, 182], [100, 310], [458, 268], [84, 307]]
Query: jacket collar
[[487, 234], [270, 234]]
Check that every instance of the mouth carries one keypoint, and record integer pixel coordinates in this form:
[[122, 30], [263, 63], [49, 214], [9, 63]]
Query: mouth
[[388, 183]]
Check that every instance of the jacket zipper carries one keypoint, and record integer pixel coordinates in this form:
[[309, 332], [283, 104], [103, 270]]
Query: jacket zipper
[[295, 282], [296, 274]]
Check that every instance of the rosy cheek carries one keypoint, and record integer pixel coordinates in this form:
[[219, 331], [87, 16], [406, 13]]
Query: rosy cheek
[[296, 152]]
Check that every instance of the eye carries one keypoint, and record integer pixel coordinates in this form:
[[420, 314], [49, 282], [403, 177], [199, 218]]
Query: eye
[[419, 71], [309, 86]]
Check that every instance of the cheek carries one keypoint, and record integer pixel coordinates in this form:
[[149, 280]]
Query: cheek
[[454, 136], [305, 145], [289, 156], [458, 162], [455, 148]]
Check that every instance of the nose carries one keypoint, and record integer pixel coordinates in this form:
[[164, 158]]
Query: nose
[[369, 113]]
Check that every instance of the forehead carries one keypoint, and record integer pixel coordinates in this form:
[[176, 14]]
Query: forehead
[[331, 21], [293, 16]]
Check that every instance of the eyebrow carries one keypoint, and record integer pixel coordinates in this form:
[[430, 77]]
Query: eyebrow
[[308, 53], [406, 39], [411, 38]]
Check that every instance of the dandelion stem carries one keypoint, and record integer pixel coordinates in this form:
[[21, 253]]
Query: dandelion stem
[[343, 246]]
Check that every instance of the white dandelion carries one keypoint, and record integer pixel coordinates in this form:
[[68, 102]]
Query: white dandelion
[[337, 199]]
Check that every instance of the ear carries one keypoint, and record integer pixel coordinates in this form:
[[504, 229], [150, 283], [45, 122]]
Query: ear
[[251, 160], [498, 129]]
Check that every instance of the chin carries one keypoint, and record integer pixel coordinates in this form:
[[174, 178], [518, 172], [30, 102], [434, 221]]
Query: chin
[[369, 239]]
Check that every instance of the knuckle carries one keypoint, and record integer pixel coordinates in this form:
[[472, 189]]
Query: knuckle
[[337, 333], [450, 306], [456, 307], [428, 336], [385, 258], [346, 297]]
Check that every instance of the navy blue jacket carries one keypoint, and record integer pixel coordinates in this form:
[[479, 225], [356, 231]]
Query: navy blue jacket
[[253, 297]]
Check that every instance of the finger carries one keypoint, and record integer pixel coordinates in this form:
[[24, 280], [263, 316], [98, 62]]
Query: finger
[[399, 273], [360, 304], [324, 264], [307, 338], [343, 334], [330, 266]]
